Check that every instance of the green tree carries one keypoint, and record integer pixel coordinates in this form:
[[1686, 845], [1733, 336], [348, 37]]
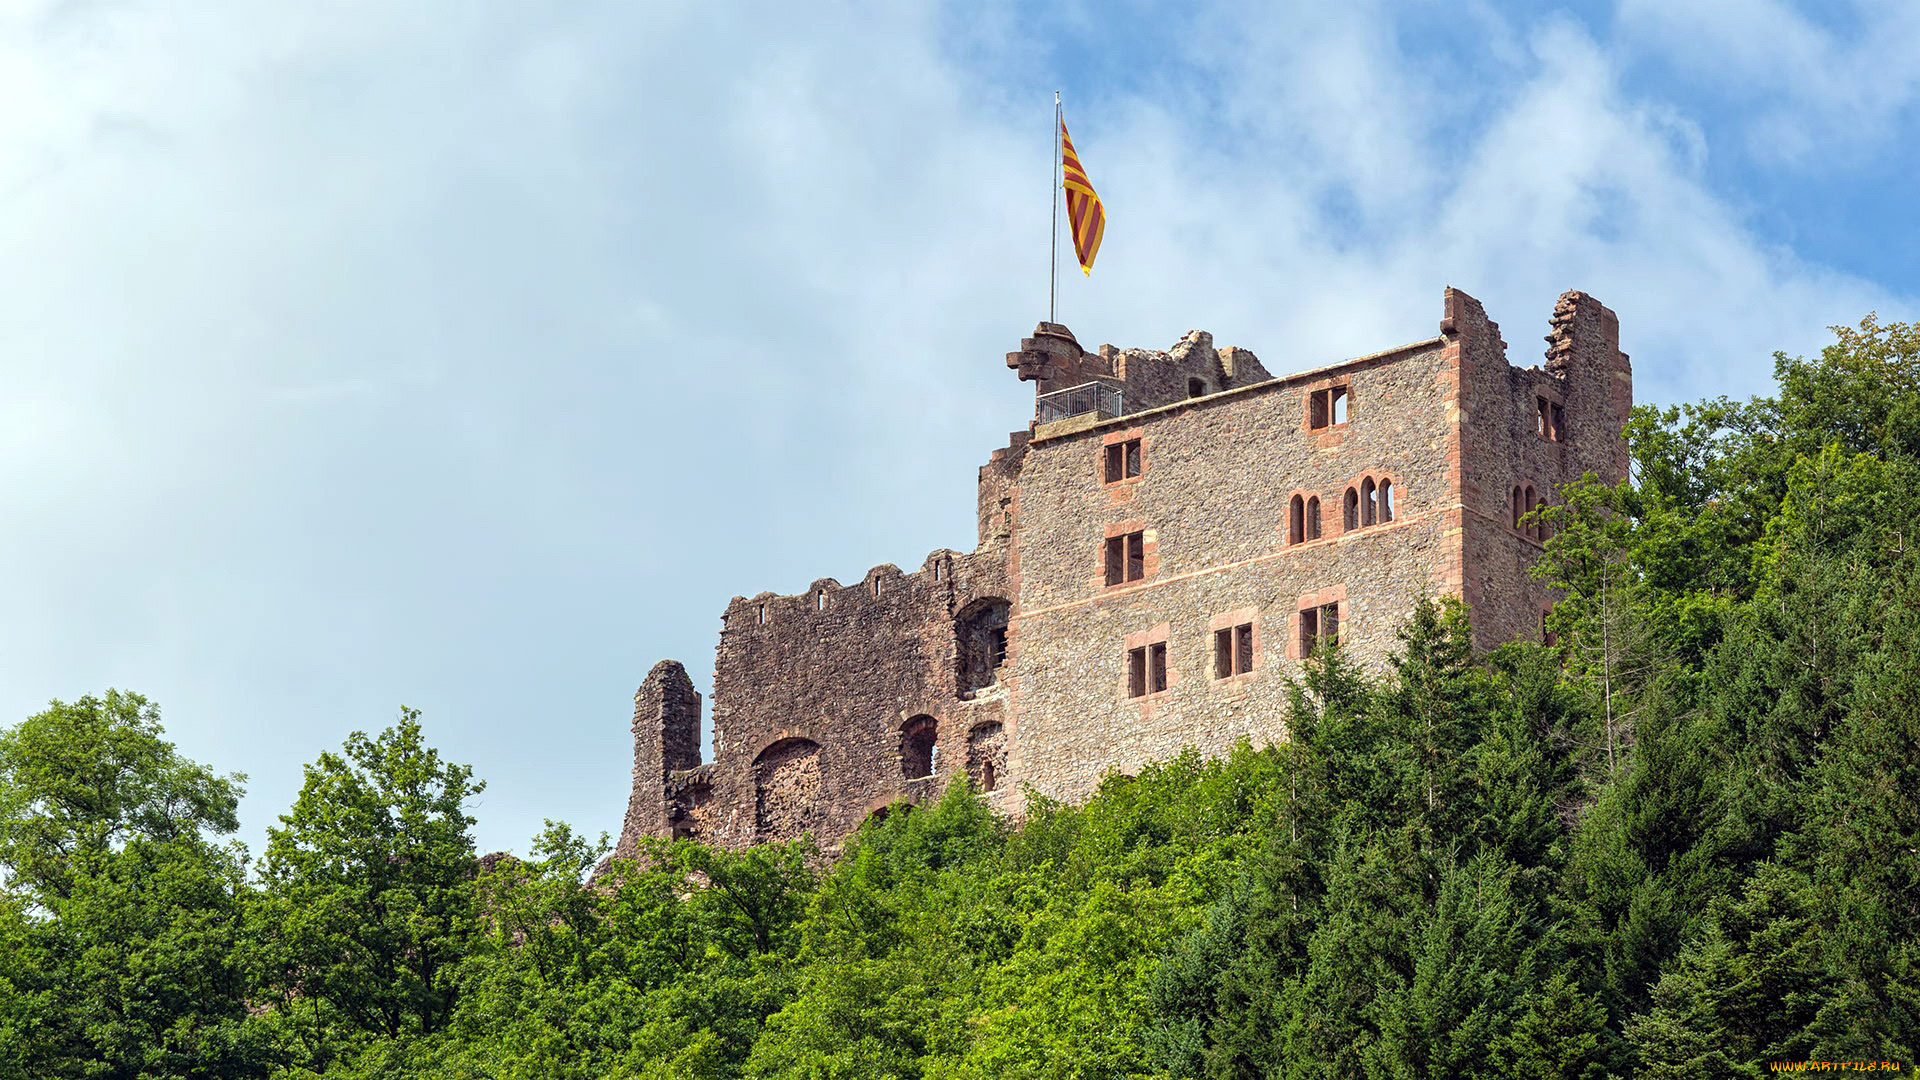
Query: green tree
[[122, 920], [369, 890], [81, 779]]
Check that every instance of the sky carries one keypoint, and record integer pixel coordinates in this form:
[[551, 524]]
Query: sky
[[470, 356]]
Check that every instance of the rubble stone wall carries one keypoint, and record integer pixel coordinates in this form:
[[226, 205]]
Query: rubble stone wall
[[815, 693]]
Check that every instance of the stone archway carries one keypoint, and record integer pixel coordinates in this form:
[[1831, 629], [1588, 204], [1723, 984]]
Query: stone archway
[[787, 789]]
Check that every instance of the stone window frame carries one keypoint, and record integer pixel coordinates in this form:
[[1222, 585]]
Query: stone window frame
[[1146, 644], [983, 772], [909, 727], [1149, 555], [1121, 438], [1358, 487], [1526, 499], [1234, 622], [1313, 518], [1332, 595], [1328, 393], [1550, 415]]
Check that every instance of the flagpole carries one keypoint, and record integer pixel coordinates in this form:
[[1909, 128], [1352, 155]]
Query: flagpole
[[1053, 237]]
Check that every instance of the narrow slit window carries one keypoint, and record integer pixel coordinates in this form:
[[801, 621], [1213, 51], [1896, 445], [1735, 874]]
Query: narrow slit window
[[1313, 518], [1517, 511], [1369, 512], [1541, 426], [1386, 500], [1296, 520], [820, 600], [763, 614], [1526, 505], [1157, 666], [1351, 519]]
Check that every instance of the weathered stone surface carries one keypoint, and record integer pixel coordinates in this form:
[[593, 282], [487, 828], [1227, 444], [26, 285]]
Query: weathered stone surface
[[825, 702]]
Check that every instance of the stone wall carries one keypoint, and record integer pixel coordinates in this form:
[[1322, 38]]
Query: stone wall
[[823, 701]]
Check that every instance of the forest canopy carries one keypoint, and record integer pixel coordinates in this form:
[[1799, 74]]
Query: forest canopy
[[1681, 840]]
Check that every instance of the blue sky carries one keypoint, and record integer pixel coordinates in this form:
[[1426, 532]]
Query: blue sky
[[471, 356]]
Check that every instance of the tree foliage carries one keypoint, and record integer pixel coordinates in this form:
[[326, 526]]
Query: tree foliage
[[1683, 840]]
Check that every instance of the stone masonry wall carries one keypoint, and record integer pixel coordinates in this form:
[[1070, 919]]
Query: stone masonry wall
[[821, 700], [1217, 478]]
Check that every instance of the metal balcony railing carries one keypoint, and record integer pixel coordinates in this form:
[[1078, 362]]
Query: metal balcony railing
[[1090, 397]]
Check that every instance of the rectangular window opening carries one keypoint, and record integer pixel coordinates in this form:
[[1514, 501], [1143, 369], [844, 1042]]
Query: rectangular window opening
[[1328, 407], [1137, 672], [1233, 651], [1319, 626], [1157, 666], [1136, 556], [1558, 423]]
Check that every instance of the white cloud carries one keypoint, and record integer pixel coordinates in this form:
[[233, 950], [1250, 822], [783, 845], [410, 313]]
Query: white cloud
[[472, 357], [1810, 87]]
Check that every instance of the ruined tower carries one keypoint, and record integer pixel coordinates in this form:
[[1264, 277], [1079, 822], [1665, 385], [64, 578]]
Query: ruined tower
[[1157, 550]]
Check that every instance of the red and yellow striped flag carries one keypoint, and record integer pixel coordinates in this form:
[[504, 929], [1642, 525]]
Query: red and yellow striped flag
[[1084, 212]]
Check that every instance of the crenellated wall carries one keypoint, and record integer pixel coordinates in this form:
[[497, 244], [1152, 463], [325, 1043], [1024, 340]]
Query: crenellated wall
[[1028, 666]]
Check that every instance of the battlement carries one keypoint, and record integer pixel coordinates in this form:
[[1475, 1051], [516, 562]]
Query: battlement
[[1147, 574]]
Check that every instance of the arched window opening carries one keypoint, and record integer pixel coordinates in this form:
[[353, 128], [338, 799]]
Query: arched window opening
[[1540, 528], [1296, 520], [1368, 511], [1517, 504], [987, 754], [787, 789], [1386, 500], [982, 632], [919, 742], [1350, 520], [1526, 504], [1313, 518]]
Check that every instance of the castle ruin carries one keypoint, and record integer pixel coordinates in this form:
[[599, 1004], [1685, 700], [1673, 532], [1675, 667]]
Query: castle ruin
[[1161, 546]]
